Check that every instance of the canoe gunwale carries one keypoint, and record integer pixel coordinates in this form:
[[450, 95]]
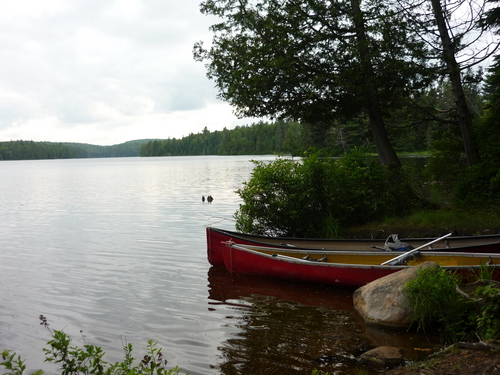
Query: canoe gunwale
[[287, 259], [358, 252], [485, 238]]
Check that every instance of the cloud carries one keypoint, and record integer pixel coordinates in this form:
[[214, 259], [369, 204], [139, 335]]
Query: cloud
[[98, 71], [119, 129]]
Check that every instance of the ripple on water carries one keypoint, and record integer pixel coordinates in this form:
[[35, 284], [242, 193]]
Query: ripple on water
[[116, 248]]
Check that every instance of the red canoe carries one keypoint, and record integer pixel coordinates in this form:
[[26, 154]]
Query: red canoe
[[215, 237], [346, 268]]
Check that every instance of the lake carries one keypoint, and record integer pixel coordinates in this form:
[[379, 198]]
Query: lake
[[116, 248]]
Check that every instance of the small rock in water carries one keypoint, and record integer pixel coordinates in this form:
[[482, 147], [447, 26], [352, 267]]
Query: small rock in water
[[383, 357]]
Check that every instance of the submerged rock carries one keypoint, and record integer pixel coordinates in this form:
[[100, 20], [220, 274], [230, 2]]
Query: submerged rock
[[383, 357]]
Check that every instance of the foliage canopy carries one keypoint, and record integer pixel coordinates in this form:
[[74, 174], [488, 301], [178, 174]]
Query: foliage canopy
[[318, 196], [314, 61], [297, 59]]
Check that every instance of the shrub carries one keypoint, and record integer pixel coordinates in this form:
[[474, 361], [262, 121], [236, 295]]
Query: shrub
[[446, 166], [88, 359], [277, 201], [488, 320], [433, 296], [462, 185], [317, 197], [435, 301], [480, 186]]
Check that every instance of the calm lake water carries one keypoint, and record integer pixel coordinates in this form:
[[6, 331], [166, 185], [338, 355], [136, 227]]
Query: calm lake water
[[116, 248]]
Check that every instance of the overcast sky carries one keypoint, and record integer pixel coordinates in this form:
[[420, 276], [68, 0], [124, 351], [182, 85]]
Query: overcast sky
[[105, 71]]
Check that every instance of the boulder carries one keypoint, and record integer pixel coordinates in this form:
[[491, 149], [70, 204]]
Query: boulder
[[383, 301], [383, 357]]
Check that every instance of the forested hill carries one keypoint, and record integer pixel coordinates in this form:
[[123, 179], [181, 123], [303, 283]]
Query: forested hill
[[286, 138], [257, 139], [29, 150], [260, 138]]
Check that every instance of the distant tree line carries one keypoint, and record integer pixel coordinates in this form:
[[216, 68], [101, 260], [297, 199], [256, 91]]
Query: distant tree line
[[279, 137], [30, 150], [22, 150], [127, 149], [289, 137], [256, 139]]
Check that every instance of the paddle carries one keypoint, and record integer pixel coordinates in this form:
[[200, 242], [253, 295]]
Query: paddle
[[415, 250]]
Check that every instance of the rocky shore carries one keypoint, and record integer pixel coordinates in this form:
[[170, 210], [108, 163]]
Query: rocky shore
[[384, 303], [455, 361]]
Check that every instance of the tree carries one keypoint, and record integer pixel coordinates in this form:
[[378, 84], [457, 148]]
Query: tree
[[318, 62], [491, 19], [463, 113], [450, 27], [385, 150]]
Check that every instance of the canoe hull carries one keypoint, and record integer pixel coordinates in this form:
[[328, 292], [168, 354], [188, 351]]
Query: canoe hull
[[241, 259], [216, 238], [257, 264]]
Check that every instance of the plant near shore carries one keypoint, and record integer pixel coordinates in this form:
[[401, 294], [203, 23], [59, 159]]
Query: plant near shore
[[319, 197], [435, 300], [89, 359], [485, 272], [488, 320], [431, 294]]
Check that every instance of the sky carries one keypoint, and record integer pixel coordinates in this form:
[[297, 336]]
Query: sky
[[105, 71]]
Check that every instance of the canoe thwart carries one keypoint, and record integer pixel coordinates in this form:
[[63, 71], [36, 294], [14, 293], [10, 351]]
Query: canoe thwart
[[415, 250]]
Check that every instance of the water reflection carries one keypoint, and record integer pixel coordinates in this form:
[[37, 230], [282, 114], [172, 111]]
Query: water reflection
[[283, 328], [280, 327], [116, 247], [414, 345], [225, 286]]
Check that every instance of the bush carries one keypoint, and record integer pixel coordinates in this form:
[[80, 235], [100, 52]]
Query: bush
[[277, 200], [480, 186], [446, 165], [462, 185], [317, 197], [89, 359], [435, 301], [488, 320]]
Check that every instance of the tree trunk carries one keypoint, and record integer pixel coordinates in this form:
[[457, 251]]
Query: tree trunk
[[463, 113], [386, 153]]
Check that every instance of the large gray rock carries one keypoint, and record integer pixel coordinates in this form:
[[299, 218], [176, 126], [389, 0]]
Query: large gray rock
[[383, 301]]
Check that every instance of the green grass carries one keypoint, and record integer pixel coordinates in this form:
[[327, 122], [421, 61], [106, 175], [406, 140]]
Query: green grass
[[477, 221], [414, 153], [426, 223]]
